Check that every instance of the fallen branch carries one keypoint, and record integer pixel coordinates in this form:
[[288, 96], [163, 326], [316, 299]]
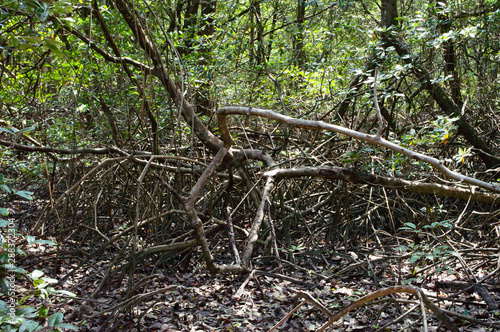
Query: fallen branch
[[133, 300], [332, 318], [372, 139], [354, 175]]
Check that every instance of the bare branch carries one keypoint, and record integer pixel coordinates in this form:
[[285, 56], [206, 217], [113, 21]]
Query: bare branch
[[377, 108], [354, 175], [372, 139]]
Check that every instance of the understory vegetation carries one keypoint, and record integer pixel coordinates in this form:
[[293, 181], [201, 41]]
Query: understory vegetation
[[254, 165]]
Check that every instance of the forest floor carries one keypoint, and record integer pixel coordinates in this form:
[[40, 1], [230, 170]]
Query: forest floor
[[185, 297]]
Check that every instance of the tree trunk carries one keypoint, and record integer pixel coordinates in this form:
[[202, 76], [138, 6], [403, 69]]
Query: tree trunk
[[190, 20], [389, 17], [203, 100], [207, 24], [450, 58], [389, 13], [298, 39]]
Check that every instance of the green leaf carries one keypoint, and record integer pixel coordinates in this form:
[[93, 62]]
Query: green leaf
[[29, 325], [13, 40], [4, 223], [67, 326], [8, 131], [42, 12], [53, 42], [25, 310], [410, 225], [13, 268], [6, 189], [43, 312], [24, 46], [33, 39], [68, 20], [55, 319], [414, 258], [25, 194], [402, 248], [4, 285], [25, 130], [49, 280], [48, 242], [407, 281], [54, 49], [4, 212]]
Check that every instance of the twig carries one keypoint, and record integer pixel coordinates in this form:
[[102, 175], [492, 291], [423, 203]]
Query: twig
[[377, 108], [409, 311], [486, 277], [472, 320], [273, 237], [134, 299], [230, 233], [282, 277], [284, 319], [238, 294], [422, 309], [259, 216], [308, 297]]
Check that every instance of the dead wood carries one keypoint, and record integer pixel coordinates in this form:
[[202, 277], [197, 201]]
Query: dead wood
[[372, 139], [332, 318]]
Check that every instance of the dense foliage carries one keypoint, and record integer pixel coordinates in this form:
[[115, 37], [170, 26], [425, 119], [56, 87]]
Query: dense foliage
[[110, 118]]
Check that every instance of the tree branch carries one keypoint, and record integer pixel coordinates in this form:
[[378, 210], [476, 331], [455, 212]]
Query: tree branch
[[372, 139]]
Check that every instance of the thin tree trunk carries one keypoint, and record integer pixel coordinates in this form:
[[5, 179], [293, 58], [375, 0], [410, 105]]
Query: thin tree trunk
[[450, 58], [298, 40], [190, 20], [446, 103]]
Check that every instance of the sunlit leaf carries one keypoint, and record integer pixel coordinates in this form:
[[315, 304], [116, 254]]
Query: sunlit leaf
[[25, 130], [33, 39], [25, 194], [64, 292], [9, 131], [36, 274]]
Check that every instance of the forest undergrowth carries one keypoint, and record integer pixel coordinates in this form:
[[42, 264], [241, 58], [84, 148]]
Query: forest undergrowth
[[335, 241]]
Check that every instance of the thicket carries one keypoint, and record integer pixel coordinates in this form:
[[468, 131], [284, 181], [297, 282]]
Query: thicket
[[118, 118]]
